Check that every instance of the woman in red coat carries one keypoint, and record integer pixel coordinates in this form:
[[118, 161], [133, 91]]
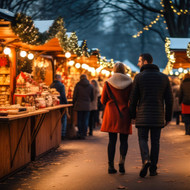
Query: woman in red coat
[[120, 85]]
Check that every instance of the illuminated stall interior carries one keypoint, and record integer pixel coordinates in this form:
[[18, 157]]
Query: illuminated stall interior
[[177, 51]]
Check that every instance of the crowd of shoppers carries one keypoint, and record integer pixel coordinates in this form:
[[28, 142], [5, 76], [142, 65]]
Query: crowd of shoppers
[[148, 101]]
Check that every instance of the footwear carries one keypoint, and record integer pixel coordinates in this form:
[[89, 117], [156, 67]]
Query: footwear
[[144, 169], [111, 169], [153, 173], [121, 168], [121, 164]]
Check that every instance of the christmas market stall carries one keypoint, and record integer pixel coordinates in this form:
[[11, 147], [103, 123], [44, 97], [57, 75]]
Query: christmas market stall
[[30, 121], [178, 54]]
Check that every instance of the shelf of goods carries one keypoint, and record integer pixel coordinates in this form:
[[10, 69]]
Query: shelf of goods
[[5, 85]]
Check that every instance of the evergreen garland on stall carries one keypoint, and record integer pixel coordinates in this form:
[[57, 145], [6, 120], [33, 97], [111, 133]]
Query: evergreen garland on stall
[[23, 26], [85, 49], [24, 65], [73, 44]]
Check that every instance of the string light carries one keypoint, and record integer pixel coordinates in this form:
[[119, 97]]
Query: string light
[[170, 55], [7, 51], [181, 11], [188, 50], [147, 27]]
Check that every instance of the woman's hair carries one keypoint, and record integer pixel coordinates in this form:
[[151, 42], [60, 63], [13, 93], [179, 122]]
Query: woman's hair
[[119, 68]]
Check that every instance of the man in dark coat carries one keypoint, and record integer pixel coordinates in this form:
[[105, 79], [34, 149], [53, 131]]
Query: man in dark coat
[[59, 86], [151, 107], [82, 96]]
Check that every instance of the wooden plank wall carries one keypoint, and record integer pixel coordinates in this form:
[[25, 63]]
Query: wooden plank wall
[[23, 155], [44, 142]]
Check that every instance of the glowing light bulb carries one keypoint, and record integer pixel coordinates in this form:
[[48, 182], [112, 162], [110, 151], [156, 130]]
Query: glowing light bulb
[[67, 54], [77, 65], [7, 51], [30, 56], [23, 54]]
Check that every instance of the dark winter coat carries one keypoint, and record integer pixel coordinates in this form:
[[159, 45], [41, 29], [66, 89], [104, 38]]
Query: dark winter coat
[[184, 94], [83, 95], [61, 89], [151, 98]]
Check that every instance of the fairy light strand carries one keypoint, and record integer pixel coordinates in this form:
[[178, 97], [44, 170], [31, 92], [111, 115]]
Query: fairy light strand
[[188, 50], [170, 55], [147, 27]]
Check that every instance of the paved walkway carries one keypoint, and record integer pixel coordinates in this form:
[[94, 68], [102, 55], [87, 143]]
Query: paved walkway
[[82, 165]]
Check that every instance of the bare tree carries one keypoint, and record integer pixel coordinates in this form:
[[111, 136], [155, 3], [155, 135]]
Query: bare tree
[[175, 13], [17, 5]]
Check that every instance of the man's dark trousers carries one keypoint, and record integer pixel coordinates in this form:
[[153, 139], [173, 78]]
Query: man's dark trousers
[[155, 145]]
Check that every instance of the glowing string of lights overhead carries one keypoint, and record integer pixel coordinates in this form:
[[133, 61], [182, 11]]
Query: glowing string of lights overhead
[[147, 27], [181, 11]]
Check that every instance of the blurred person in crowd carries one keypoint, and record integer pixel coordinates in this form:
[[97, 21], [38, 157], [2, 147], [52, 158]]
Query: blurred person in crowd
[[100, 106], [175, 82], [59, 86], [116, 118], [93, 107], [151, 108], [82, 97], [184, 100]]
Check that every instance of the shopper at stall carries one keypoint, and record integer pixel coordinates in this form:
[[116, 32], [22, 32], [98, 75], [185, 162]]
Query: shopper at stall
[[184, 100], [116, 119], [151, 107], [82, 96], [175, 83], [57, 84], [93, 107]]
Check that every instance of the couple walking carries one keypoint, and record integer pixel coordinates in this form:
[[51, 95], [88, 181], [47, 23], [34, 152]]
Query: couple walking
[[147, 100]]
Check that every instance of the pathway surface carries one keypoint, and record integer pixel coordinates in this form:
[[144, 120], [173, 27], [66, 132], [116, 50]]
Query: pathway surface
[[82, 165]]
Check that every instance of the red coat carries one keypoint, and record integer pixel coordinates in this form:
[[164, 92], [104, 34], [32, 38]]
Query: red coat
[[111, 119]]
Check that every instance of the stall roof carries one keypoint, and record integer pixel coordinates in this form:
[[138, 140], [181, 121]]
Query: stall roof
[[179, 47], [179, 43]]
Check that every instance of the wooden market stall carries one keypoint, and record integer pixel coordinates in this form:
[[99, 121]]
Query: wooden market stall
[[177, 51], [25, 133], [30, 133]]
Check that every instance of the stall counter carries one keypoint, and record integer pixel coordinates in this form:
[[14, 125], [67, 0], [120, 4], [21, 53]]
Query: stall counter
[[26, 136]]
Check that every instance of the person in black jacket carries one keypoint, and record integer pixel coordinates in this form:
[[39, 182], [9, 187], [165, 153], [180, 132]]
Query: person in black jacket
[[151, 106], [82, 96], [57, 84]]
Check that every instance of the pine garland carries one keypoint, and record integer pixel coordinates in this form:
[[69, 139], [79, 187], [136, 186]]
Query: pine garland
[[23, 26], [85, 48], [24, 65]]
